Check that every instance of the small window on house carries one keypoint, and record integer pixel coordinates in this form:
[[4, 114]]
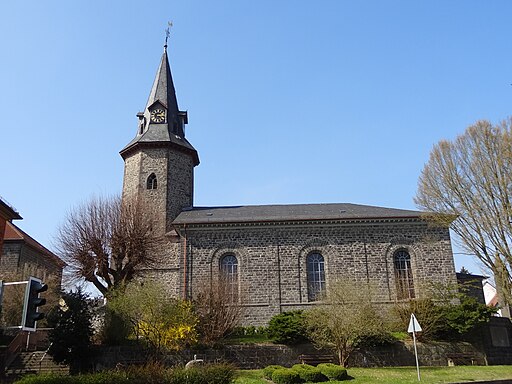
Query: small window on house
[[151, 183], [229, 272], [403, 275], [316, 276]]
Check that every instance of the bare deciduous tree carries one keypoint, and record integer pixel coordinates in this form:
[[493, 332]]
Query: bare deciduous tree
[[468, 184], [105, 242], [217, 312]]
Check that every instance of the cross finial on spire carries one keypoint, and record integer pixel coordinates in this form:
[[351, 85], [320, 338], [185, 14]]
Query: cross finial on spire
[[167, 33]]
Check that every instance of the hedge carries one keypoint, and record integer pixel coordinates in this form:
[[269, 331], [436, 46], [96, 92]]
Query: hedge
[[333, 371], [269, 370], [211, 374], [286, 376], [308, 373]]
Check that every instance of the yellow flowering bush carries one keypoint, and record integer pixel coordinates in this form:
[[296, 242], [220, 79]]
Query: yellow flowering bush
[[163, 322]]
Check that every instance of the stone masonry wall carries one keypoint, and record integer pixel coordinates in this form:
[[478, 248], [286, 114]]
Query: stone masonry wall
[[174, 171], [272, 260], [10, 257], [257, 356], [24, 261], [180, 184]]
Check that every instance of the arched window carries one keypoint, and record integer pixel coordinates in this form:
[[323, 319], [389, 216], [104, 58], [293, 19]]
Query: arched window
[[151, 183], [403, 275], [316, 276], [229, 272]]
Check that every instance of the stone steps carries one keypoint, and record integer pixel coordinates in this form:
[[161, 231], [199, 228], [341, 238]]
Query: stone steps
[[35, 362]]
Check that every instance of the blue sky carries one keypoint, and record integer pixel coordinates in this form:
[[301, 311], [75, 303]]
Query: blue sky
[[288, 102]]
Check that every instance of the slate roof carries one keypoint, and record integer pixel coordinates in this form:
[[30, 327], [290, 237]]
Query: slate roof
[[295, 212], [14, 233], [163, 92], [159, 134]]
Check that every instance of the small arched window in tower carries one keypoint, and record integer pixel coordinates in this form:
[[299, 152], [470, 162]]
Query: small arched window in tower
[[151, 183], [229, 276], [403, 275], [316, 276]]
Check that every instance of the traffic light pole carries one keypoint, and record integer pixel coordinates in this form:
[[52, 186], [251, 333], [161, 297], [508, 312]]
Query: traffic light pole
[[16, 283], [4, 284]]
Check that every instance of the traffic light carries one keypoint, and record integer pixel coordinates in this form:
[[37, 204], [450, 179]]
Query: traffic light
[[32, 303]]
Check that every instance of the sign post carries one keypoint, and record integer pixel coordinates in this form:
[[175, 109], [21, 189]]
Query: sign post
[[414, 327]]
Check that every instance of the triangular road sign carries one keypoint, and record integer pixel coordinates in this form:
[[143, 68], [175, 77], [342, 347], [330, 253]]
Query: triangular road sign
[[414, 326]]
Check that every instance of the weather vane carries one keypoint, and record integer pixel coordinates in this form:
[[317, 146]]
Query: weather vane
[[168, 31]]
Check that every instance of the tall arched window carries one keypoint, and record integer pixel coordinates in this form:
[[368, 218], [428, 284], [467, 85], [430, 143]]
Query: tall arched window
[[229, 271], [316, 276], [151, 183], [403, 275]]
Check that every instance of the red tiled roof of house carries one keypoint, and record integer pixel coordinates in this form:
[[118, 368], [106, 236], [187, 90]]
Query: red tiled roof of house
[[13, 233]]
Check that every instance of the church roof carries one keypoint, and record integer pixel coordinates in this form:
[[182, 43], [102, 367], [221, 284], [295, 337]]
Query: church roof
[[295, 212], [171, 132]]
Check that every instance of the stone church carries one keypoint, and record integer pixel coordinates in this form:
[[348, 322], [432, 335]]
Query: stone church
[[275, 258]]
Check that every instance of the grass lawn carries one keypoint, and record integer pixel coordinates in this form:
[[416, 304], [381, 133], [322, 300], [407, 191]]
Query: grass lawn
[[404, 375]]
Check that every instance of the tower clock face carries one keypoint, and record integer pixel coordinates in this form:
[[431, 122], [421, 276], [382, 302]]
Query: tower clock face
[[157, 115]]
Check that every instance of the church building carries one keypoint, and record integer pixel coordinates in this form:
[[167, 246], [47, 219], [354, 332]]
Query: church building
[[275, 258]]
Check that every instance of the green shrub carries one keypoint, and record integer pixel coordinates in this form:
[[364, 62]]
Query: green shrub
[[210, 374], [287, 328], [285, 376], [45, 379], [238, 331], [149, 374], [115, 329], [269, 370], [251, 330], [218, 373], [376, 339], [333, 371], [308, 373], [108, 377], [185, 376]]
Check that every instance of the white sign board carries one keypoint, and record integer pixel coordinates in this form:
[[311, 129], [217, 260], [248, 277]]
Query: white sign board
[[414, 326]]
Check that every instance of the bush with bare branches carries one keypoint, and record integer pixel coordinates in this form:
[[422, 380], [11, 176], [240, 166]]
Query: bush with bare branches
[[347, 319], [218, 313]]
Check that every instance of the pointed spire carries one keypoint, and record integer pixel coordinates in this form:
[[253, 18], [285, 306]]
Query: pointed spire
[[171, 130], [163, 89]]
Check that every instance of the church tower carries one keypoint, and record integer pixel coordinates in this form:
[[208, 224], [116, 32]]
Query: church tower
[[159, 161]]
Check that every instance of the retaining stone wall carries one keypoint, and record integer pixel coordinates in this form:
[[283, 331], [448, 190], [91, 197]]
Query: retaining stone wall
[[259, 356]]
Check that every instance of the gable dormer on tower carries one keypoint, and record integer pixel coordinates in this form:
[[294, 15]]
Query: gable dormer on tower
[[159, 160]]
